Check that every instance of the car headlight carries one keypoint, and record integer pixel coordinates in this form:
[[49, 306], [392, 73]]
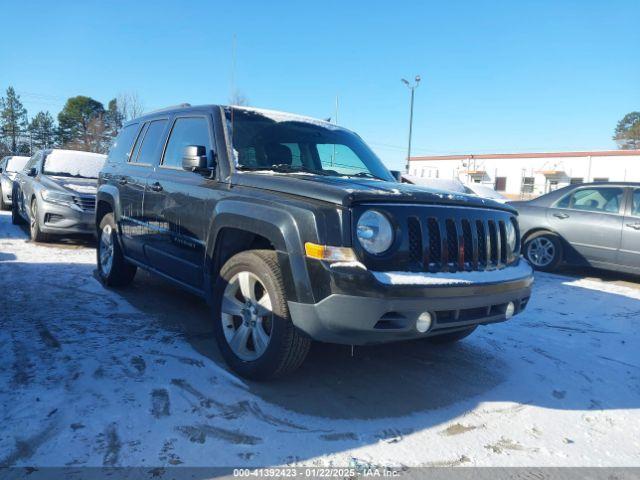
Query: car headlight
[[59, 198], [512, 236], [374, 232]]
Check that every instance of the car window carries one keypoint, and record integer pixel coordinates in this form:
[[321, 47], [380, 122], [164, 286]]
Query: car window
[[186, 131], [635, 206], [121, 147], [603, 199], [152, 143]]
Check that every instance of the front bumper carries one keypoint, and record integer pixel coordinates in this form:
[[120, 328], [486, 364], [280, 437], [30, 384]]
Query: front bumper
[[61, 220], [361, 310]]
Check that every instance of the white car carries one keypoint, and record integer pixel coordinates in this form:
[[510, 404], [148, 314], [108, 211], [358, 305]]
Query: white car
[[9, 166], [486, 192], [456, 186]]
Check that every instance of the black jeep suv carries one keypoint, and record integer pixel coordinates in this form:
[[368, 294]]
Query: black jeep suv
[[294, 231]]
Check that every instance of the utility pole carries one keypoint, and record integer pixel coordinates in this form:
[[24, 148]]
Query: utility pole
[[413, 89]]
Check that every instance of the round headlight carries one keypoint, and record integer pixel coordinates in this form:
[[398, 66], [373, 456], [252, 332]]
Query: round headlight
[[374, 232], [511, 235]]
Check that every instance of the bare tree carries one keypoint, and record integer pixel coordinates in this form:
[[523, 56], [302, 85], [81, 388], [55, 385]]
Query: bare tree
[[130, 105], [239, 99]]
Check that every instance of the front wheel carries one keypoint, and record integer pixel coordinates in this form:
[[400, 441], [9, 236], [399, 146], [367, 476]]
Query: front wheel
[[113, 268], [34, 224], [252, 325], [544, 251]]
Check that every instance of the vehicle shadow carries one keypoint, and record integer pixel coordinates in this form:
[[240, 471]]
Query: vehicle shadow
[[367, 384]]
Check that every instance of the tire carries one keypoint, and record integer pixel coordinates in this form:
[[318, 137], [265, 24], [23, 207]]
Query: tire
[[3, 205], [16, 219], [257, 347], [452, 337], [544, 251], [34, 225], [113, 268]]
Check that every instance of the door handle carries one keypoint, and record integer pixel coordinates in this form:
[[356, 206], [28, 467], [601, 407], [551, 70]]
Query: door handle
[[635, 226], [561, 216], [156, 187], [122, 181]]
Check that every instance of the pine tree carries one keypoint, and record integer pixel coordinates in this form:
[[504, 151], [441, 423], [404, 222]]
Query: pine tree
[[13, 119], [74, 121], [42, 131], [627, 133]]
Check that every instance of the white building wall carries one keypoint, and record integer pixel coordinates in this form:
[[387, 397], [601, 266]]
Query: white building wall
[[615, 168]]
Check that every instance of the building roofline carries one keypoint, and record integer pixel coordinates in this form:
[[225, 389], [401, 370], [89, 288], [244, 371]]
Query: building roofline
[[601, 153]]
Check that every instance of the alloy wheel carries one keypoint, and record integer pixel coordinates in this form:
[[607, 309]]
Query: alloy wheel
[[33, 219], [247, 317], [541, 251], [106, 250]]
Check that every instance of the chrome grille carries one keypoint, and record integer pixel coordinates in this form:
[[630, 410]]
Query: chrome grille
[[85, 202]]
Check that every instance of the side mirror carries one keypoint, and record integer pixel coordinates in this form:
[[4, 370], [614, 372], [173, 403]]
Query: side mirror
[[397, 174], [194, 158], [32, 172], [0, 169]]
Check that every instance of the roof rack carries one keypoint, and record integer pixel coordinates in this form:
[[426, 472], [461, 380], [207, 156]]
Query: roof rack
[[172, 107]]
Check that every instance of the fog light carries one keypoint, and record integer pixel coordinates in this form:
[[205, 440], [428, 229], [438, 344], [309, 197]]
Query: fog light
[[511, 309], [424, 322]]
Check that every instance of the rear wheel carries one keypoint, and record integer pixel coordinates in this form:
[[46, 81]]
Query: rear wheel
[[34, 224], [544, 251], [452, 337], [113, 268], [252, 325]]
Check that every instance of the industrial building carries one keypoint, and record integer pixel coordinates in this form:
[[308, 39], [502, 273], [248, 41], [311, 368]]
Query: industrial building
[[528, 175]]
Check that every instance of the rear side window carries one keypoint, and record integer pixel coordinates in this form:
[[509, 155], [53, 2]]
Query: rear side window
[[186, 131], [121, 147], [594, 200], [152, 143], [635, 207]]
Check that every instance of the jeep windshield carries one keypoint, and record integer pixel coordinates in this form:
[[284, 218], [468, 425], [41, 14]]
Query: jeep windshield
[[73, 164], [285, 143]]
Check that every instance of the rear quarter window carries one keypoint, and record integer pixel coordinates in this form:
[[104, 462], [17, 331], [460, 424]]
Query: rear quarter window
[[121, 147]]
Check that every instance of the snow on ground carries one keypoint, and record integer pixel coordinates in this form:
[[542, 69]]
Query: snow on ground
[[90, 376]]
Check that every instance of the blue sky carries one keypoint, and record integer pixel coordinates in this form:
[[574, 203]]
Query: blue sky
[[497, 76]]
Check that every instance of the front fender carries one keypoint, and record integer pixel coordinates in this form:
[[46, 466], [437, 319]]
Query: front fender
[[279, 227], [110, 195]]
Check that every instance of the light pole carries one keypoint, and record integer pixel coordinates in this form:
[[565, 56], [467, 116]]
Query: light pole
[[413, 89]]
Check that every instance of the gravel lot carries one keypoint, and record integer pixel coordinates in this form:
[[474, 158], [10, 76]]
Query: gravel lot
[[132, 378]]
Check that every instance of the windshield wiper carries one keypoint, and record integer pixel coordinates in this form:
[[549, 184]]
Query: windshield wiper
[[366, 175]]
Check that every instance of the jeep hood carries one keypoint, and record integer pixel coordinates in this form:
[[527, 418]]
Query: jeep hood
[[350, 191]]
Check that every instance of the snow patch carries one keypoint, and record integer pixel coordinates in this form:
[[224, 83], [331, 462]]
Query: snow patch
[[74, 163], [88, 189], [278, 116]]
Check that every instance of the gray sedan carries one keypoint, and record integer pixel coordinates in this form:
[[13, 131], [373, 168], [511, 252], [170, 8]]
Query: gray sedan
[[595, 224], [9, 167], [56, 193]]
